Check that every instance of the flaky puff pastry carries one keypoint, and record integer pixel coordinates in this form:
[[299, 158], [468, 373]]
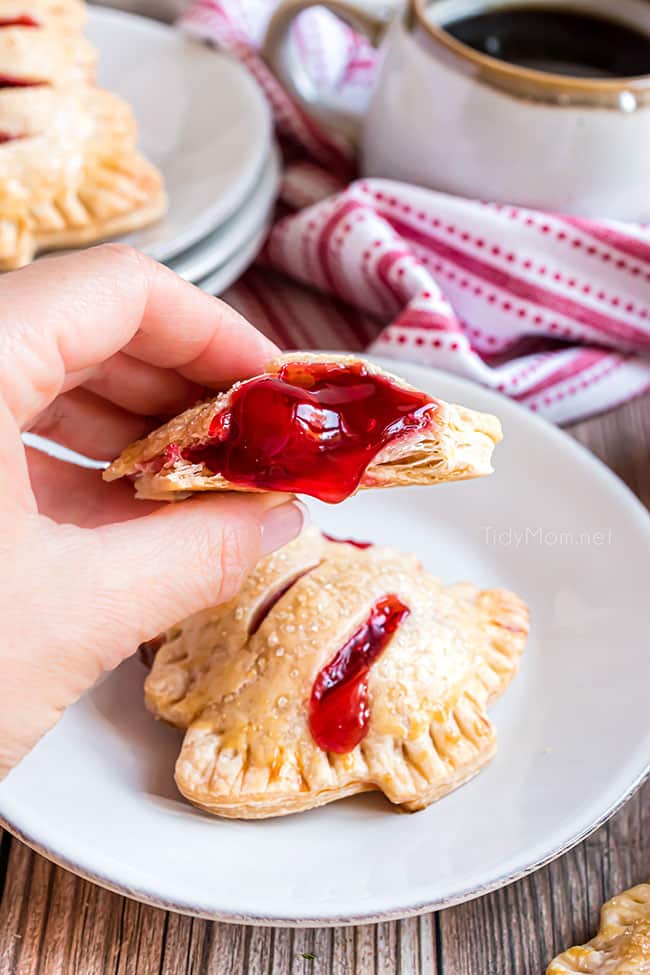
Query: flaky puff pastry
[[70, 173], [239, 678], [455, 444], [622, 945]]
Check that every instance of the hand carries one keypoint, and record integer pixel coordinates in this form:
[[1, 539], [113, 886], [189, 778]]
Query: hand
[[92, 348]]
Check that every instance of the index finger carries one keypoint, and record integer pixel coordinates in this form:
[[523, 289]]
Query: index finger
[[69, 314]]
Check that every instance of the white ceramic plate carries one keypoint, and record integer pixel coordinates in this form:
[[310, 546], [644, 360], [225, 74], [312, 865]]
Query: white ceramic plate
[[222, 277], [223, 243], [97, 794], [202, 120]]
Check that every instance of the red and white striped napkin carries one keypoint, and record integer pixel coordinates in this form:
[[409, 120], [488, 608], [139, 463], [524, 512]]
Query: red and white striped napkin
[[551, 310]]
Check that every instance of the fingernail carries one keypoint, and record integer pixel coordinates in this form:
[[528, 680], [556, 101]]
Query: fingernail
[[282, 524]]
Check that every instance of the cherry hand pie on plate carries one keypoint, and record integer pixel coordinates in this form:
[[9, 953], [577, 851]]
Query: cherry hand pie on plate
[[70, 173], [313, 424], [622, 945], [337, 669]]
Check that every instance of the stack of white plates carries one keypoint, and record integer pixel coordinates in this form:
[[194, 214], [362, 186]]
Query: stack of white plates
[[207, 126]]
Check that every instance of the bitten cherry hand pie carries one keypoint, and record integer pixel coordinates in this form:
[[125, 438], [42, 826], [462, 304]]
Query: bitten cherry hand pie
[[313, 424], [336, 670]]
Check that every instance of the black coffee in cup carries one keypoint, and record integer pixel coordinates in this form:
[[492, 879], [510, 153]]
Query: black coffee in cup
[[562, 40]]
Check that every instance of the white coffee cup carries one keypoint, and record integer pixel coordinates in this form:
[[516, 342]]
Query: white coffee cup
[[449, 117]]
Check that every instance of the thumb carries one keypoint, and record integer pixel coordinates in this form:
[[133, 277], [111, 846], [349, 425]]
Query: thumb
[[79, 601], [151, 572]]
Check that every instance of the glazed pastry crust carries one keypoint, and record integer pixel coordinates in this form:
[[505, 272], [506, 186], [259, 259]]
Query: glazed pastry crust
[[457, 445], [74, 175], [70, 173], [622, 945], [243, 697]]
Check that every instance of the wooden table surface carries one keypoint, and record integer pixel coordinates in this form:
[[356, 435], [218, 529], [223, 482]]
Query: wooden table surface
[[51, 922]]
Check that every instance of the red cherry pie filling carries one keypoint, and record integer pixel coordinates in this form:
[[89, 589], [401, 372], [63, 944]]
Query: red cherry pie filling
[[312, 429], [147, 651], [20, 20], [339, 710], [8, 81], [347, 541]]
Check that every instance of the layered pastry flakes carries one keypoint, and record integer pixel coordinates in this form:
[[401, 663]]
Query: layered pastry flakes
[[70, 173], [321, 425], [338, 669]]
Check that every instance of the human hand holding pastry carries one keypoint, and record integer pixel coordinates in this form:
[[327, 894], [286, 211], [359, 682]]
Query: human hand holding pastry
[[91, 348], [338, 667]]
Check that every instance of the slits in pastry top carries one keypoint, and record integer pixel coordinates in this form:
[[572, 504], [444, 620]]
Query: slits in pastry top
[[59, 15]]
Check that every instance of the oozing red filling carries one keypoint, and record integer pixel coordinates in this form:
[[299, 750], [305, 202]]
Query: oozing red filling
[[10, 136], [22, 20], [9, 81], [339, 711], [147, 651], [347, 541], [312, 429]]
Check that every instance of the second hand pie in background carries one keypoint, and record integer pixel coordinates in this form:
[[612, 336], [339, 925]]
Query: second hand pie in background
[[70, 171]]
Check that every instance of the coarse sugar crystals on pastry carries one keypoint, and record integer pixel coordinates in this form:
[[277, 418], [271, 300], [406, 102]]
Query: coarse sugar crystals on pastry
[[313, 424], [336, 670]]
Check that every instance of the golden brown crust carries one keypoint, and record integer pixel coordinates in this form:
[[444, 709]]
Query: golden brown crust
[[243, 696], [456, 445], [70, 173], [622, 945]]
